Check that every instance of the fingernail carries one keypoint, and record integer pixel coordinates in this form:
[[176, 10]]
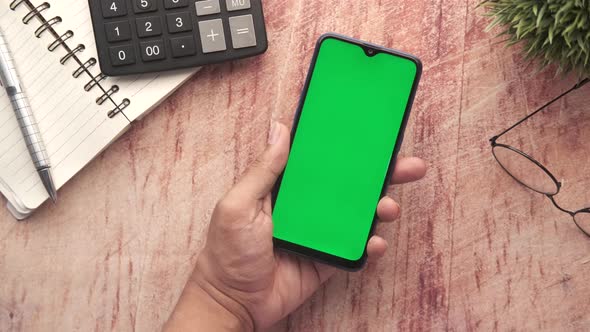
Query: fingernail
[[274, 134]]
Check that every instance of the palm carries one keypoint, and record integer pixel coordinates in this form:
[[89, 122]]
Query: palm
[[270, 284]]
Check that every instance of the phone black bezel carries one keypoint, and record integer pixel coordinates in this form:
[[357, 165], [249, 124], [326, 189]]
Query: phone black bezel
[[350, 265]]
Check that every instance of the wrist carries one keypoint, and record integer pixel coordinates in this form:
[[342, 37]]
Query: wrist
[[203, 306]]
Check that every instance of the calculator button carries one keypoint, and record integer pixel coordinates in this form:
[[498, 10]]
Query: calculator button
[[152, 50], [233, 5], [122, 55], [179, 22], [149, 26], [171, 4], [113, 8], [183, 46], [118, 31], [242, 31], [144, 6], [212, 36], [207, 7]]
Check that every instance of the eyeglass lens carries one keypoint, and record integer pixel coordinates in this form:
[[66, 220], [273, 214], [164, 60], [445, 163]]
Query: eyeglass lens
[[525, 170]]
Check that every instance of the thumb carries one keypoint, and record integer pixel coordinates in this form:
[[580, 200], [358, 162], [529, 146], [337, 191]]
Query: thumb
[[260, 178]]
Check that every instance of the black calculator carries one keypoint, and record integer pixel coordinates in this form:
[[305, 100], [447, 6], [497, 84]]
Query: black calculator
[[143, 36]]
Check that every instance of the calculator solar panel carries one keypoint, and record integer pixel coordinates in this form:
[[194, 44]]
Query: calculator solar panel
[[143, 36]]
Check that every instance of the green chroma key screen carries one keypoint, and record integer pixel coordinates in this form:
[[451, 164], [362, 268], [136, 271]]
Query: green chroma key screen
[[347, 131]]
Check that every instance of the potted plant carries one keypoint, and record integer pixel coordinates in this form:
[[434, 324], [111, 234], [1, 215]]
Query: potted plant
[[552, 31]]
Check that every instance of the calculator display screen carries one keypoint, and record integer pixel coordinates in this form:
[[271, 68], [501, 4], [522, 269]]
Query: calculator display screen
[[349, 122]]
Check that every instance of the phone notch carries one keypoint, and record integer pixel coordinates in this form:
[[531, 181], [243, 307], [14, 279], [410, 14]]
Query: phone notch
[[370, 51]]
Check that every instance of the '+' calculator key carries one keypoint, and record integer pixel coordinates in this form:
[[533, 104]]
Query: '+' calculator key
[[143, 36]]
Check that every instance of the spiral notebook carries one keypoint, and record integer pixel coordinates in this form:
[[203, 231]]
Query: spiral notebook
[[79, 110]]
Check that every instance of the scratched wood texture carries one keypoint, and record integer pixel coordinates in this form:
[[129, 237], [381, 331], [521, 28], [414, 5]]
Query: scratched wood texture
[[472, 251]]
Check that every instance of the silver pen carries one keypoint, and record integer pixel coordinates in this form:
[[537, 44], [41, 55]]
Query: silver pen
[[26, 120]]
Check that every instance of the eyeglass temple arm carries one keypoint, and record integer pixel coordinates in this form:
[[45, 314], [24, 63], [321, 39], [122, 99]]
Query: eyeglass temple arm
[[575, 87]]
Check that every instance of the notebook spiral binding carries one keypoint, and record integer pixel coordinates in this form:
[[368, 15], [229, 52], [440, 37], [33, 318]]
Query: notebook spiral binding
[[47, 25]]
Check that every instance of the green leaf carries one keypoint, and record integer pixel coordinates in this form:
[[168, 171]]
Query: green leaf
[[582, 23], [581, 43], [569, 29], [563, 10], [541, 13]]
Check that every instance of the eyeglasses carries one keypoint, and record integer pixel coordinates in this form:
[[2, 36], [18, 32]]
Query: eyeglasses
[[531, 173]]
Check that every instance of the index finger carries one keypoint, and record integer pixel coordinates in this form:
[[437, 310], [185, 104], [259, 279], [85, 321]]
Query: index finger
[[408, 170]]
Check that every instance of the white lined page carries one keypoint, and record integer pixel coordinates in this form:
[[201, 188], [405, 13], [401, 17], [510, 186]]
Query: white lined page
[[75, 129]]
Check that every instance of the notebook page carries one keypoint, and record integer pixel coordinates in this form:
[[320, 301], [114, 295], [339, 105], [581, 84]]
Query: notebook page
[[74, 128], [21, 186], [145, 91]]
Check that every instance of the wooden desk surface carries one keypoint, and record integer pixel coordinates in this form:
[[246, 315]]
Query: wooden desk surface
[[473, 250]]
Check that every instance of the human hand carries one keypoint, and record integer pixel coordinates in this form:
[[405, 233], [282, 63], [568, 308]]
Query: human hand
[[239, 278]]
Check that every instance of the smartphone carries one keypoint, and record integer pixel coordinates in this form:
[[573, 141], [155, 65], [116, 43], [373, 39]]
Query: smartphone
[[347, 131]]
